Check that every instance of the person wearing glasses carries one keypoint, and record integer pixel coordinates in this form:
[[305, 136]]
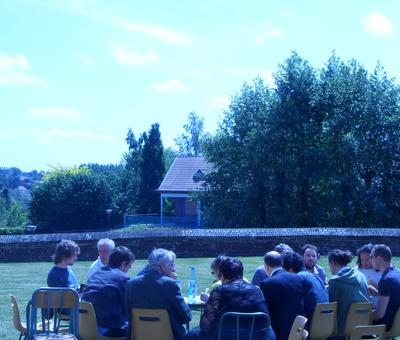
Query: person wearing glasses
[[215, 264]]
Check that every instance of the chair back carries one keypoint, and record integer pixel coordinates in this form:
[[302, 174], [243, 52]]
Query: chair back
[[246, 325], [368, 332], [359, 314], [297, 332], [16, 316], [323, 321], [395, 330], [151, 324], [51, 301], [87, 321]]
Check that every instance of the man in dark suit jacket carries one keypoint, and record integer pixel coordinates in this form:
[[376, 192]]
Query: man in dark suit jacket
[[284, 293], [106, 292], [156, 289]]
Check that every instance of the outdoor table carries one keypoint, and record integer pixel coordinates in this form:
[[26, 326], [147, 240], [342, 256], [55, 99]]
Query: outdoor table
[[197, 306]]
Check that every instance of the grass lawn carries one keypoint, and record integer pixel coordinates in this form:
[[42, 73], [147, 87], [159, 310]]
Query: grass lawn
[[21, 279]]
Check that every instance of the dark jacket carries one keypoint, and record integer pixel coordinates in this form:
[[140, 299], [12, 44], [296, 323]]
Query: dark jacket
[[284, 293], [106, 292], [234, 296], [153, 290]]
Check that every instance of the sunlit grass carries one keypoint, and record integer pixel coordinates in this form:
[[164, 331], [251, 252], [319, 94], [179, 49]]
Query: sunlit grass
[[21, 279]]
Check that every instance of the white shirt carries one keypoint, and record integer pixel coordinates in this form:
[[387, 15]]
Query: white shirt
[[95, 266]]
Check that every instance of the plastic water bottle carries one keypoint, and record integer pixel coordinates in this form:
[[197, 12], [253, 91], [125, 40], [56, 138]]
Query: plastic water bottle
[[191, 292]]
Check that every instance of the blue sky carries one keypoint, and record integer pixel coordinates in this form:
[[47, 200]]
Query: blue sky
[[75, 75]]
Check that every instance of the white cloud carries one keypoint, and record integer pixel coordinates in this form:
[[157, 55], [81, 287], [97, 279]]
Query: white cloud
[[170, 86], [160, 33], [127, 57], [86, 8], [13, 71], [219, 103], [9, 63], [267, 33], [86, 60], [54, 112], [376, 23]]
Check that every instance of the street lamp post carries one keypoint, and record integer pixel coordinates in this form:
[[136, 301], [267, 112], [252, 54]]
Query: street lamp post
[[108, 212]]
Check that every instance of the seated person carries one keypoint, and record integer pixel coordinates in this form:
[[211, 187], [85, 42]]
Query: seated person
[[157, 289], [61, 275], [293, 263], [260, 274], [346, 286], [234, 295], [217, 279], [364, 265], [104, 247], [106, 292]]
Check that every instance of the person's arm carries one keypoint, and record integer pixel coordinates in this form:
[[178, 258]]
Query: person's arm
[[381, 306], [258, 277], [310, 298], [180, 307], [332, 291], [209, 318]]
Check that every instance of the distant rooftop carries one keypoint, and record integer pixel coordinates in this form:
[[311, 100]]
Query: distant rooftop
[[185, 174]]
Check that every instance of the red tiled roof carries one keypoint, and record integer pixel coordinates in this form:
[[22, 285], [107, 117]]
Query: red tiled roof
[[179, 177]]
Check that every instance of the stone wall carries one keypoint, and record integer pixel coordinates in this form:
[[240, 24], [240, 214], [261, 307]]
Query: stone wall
[[198, 242]]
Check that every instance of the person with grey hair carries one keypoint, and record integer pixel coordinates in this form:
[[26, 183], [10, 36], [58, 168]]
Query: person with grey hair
[[105, 246], [156, 289]]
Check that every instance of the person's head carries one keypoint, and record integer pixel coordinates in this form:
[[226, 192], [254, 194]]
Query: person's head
[[310, 256], [105, 246], [283, 248], [364, 256], [231, 269], [272, 260], [292, 262], [338, 259], [381, 255], [67, 252], [215, 264], [121, 258], [163, 260]]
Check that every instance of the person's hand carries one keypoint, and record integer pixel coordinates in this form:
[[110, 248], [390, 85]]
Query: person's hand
[[174, 275], [372, 290], [372, 283], [204, 297]]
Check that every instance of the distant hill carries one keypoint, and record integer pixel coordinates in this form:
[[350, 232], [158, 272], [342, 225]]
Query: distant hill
[[17, 184]]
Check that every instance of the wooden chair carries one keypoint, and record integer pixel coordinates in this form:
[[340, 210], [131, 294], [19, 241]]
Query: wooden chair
[[88, 324], [368, 332], [19, 326], [151, 324], [324, 319], [297, 332], [359, 314], [51, 301], [395, 330], [244, 325]]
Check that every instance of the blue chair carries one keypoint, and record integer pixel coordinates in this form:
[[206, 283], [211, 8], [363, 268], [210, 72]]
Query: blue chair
[[52, 302], [238, 326]]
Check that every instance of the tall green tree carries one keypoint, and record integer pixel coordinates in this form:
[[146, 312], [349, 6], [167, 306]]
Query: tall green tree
[[152, 170], [190, 143], [235, 193]]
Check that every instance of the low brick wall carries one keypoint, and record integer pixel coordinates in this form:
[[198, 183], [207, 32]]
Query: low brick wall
[[198, 242]]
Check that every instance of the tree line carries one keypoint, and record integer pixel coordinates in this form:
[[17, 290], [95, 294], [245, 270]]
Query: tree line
[[319, 149]]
